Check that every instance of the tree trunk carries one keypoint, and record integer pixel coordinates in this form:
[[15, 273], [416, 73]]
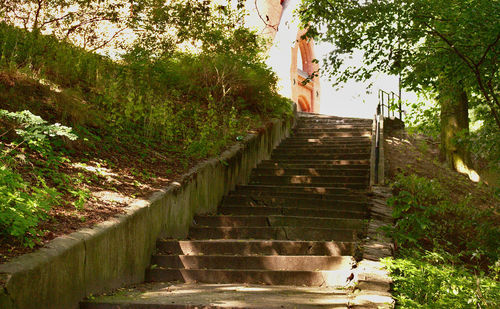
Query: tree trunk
[[454, 121]]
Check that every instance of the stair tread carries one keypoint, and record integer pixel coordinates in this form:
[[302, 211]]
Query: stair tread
[[224, 295]]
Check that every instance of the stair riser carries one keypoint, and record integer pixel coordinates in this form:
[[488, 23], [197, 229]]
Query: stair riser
[[298, 179], [313, 126], [351, 140], [293, 203], [305, 165], [320, 156], [337, 120], [309, 172], [297, 263], [358, 186], [256, 195], [323, 145], [342, 132], [276, 221], [318, 163], [255, 247], [265, 211], [272, 233], [323, 149], [299, 278], [330, 136], [291, 189]]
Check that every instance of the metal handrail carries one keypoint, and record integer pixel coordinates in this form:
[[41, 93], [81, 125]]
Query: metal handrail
[[391, 101]]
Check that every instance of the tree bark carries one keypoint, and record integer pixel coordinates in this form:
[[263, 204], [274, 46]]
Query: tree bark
[[454, 121]]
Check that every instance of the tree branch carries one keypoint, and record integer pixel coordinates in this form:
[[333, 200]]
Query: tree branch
[[465, 58], [488, 49], [107, 42]]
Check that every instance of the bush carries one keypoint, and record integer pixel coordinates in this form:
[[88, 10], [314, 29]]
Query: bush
[[428, 220], [430, 280], [22, 206], [448, 253], [174, 98]]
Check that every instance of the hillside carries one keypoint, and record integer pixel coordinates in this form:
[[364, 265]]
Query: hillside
[[82, 136], [446, 233]]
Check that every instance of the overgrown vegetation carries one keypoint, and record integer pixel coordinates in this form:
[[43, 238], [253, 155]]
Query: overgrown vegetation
[[157, 105], [448, 253]]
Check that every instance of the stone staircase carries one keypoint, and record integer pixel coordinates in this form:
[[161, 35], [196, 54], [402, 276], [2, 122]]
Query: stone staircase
[[288, 239]]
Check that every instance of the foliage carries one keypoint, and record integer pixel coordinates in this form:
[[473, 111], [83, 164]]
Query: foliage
[[430, 280], [23, 205], [424, 41], [423, 119], [88, 23], [448, 253], [156, 96], [484, 143], [423, 214], [35, 132], [171, 99]]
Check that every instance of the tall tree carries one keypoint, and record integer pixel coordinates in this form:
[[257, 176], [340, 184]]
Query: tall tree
[[91, 24], [450, 46]]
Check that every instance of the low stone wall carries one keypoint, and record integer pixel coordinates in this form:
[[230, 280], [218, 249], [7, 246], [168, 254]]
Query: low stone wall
[[117, 252], [373, 289]]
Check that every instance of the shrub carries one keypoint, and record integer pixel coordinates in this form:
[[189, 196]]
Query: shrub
[[22, 206], [448, 253], [430, 280], [428, 220]]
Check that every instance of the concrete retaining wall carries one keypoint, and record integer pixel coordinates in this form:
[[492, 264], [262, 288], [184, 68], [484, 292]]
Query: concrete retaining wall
[[117, 252]]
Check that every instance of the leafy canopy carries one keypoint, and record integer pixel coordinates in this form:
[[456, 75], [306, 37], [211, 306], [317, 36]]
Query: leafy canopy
[[422, 40]]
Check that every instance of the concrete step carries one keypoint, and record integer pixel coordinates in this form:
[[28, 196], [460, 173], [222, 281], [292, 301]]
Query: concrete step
[[331, 139], [293, 189], [314, 156], [318, 163], [320, 150], [256, 195], [310, 143], [246, 262], [271, 277], [159, 295], [308, 180], [326, 148], [304, 212], [290, 202], [331, 132], [322, 136], [338, 120], [309, 172], [316, 118], [358, 186], [271, 233], [256, 247], [333, 126], [303, 164], [276, 221]]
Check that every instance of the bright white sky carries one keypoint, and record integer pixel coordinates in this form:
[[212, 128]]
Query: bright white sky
[[352, 100]]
